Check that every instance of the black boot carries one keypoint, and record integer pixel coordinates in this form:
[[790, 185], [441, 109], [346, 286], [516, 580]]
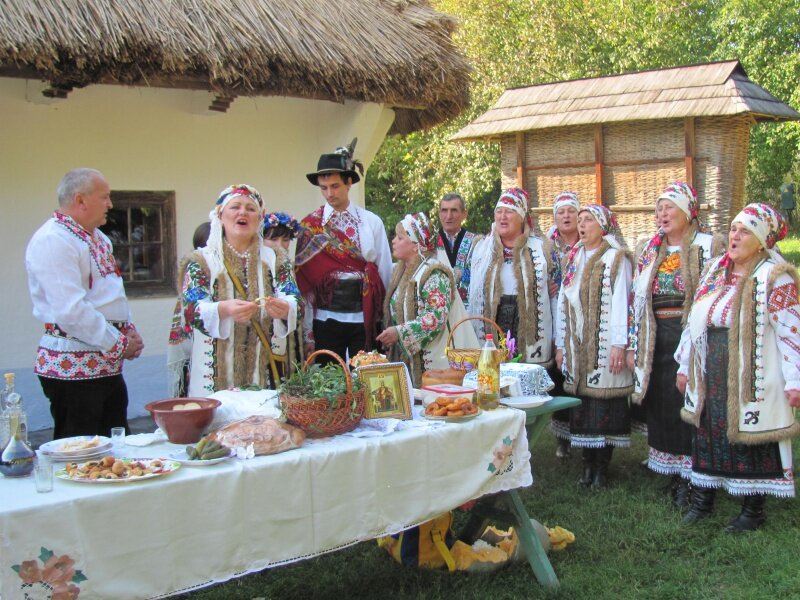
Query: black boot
[[752, 516], [702, 505], [562, 448], [588, 467], [600, 479], [681, 497]]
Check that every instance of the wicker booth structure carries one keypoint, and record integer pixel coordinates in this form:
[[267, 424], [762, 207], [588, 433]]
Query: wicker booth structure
[[621, 139]]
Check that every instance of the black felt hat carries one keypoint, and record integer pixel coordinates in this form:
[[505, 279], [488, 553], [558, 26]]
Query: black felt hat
[[341, 161]]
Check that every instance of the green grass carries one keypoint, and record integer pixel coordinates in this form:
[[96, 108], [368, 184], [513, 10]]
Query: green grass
[[630, 543], [790, 248]]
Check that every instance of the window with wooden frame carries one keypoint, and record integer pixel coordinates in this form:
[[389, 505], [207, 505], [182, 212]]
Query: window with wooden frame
[[141, 226]]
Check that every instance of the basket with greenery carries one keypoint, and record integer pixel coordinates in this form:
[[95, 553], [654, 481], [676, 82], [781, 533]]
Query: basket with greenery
[[322, 400]]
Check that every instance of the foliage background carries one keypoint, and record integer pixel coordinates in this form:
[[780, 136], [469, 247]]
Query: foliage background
[[513, 43]]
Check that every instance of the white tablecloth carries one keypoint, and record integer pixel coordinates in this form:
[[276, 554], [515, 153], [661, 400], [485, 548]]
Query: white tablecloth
[[202, 525]]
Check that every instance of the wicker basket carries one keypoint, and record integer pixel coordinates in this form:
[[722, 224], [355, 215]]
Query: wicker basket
[[316, 417], [466, 359]]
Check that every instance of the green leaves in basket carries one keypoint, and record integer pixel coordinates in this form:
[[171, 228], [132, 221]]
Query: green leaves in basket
[[316, 382]]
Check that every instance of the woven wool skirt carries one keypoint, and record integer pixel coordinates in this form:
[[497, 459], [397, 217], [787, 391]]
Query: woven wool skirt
[[741, 469], [669, 438], [600, 422]]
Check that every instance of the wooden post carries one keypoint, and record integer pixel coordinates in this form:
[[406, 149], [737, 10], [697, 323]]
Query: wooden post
[[689, 141], [521, 160], [598, 163]]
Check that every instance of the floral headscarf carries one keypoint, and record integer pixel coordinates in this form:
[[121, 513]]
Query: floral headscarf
[[516, 199], [419, 229], [229, 193], [565, 199], [608, 224], [766, 223], [284, 220], [684, 197], [607, 221]]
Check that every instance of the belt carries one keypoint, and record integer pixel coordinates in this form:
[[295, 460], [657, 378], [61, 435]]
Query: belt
[[56, 331], [667, 313], [346, 297]]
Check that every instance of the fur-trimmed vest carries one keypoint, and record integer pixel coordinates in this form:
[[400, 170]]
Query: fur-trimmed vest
[[758, 411], [403, 295], [218, 364], [586, 356], [532, 265], [696, 250]]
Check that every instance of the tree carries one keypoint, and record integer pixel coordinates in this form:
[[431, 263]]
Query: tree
[[523, 42]]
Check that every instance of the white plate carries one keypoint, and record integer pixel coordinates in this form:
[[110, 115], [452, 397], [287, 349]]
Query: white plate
[[525, 401], [168, 467], [452, 419], [82, 458], [53, 447], [184, 459]]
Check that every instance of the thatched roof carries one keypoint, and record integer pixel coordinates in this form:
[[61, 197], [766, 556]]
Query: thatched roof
[[396, 52], [711, 89]]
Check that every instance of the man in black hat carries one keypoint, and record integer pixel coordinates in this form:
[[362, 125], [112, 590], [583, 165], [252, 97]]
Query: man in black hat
[[343, 262]]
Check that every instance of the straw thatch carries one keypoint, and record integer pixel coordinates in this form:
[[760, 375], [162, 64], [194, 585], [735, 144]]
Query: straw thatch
[[395, 52], [712, 89]]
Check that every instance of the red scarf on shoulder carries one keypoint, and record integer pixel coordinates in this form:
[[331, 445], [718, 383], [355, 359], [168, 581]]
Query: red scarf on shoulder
[[321, 252]]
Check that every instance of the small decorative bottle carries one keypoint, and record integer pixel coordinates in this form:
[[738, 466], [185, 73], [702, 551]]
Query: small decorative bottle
[[17, 457], [5, 425]]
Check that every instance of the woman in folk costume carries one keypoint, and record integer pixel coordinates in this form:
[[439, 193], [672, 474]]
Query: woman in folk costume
[[740, 367], [236, 293], [591, 336], [564, 235], [665, 279], [511, 272], [422, 301], [279, 230]]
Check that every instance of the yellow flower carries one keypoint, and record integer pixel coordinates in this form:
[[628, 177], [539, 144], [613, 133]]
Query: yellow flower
[[672, 263]]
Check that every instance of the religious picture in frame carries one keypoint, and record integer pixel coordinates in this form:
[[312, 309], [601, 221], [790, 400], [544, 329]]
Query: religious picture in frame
[[387, 389]]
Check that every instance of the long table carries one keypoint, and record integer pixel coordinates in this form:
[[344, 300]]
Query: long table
[[199, 526]]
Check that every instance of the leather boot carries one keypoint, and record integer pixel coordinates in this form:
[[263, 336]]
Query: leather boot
[[588, 467], [702, 505], [752, 516], [600, 479], [562, 448], [682, 496]]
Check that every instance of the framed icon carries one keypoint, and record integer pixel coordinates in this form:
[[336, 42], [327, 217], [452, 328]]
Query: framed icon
[[387, 387]]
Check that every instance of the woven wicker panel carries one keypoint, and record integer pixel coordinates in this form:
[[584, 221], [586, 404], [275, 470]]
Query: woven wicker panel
[[720, 166], [643, 140], [544, 185], [565, 145], [722, 144], [638, 185]]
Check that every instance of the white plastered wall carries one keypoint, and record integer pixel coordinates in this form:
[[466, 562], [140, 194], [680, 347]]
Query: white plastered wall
[[153, 139]]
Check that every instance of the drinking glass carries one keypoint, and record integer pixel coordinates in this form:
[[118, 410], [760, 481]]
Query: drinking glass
[[43, 473], [118, 437]]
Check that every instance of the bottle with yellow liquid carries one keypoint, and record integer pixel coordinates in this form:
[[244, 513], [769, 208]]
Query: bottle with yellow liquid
[[488, 392]]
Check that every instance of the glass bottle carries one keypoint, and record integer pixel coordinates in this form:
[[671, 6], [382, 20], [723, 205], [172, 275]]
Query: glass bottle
[[488, 392], [17, 457], [9, 389], [5, 425]]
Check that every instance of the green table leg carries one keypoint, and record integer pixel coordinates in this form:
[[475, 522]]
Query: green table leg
[[537, 557]]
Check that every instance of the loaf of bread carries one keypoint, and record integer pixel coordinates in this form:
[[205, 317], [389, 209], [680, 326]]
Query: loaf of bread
[[267, 435], [434, 376]]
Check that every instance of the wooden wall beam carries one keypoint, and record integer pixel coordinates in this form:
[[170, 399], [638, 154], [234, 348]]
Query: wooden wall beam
[[521, 179], [598, 163], [691, 149]]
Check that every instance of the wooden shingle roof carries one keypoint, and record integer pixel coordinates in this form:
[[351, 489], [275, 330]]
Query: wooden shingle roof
[[711, 89]]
